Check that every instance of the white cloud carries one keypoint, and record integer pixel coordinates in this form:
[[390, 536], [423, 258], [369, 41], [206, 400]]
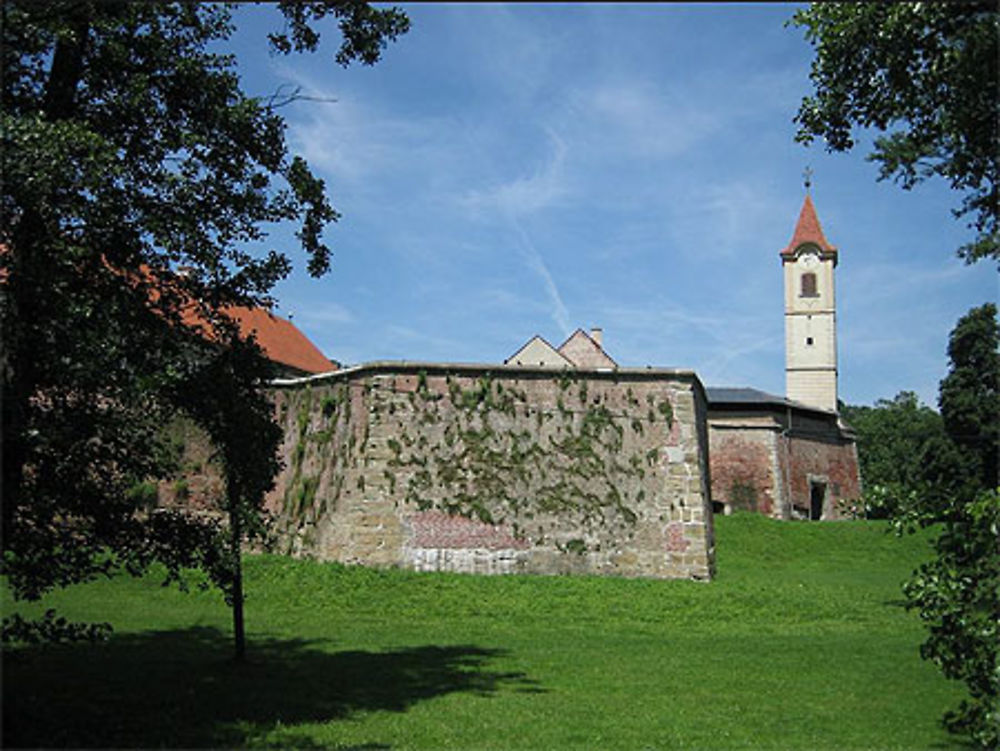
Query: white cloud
[[325, 313], [534, 261], [359, 148], [730, 218], [639, 118], [525, 194], [882, 283], [359, 141], [419, 343]]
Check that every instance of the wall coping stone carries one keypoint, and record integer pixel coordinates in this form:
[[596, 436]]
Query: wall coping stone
[[379, 367]]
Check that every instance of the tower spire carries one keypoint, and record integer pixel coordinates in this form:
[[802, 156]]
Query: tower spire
[[808, 230]]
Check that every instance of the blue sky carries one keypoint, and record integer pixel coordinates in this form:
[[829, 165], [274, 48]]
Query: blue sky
[[511, 170]]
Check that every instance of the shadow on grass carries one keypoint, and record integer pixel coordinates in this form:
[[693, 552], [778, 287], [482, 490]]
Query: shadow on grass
[[181, 689]]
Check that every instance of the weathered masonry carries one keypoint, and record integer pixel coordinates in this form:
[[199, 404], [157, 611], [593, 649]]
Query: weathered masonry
[[585, 471], [779, 457]]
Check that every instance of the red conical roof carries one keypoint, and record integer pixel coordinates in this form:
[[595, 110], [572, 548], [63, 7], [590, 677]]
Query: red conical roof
[[808, 230]]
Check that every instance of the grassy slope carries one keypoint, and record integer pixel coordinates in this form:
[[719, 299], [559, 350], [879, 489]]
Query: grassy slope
[[799, 643]]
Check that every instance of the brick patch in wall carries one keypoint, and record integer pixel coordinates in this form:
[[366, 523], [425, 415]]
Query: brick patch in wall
[[677, 542], [436, 529]]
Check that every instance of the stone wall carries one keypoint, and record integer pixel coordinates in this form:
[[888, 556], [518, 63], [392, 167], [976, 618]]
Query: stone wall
[[556, 472]]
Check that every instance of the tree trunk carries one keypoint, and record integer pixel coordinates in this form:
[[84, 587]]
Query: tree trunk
[[18, 376], [236, 548]]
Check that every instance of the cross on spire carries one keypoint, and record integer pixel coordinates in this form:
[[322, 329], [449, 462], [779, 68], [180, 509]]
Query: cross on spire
[[807, 173]]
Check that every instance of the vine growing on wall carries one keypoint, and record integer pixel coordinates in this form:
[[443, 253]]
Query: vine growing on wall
[[322, 449], [526, 473]]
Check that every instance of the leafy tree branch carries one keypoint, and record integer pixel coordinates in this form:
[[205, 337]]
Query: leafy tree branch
[[926, 76]]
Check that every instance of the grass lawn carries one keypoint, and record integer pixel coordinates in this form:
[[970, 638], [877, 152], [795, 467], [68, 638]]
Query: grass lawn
[[800, 643]]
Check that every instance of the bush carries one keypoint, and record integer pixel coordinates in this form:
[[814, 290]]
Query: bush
[[958, 597], [145, 495]]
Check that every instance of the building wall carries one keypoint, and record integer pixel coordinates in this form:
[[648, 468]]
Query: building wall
[[744, 469], [580, 471], [761, 463], [584, 352], [538, 352], [820, 330], [816, 388], [829, 463]]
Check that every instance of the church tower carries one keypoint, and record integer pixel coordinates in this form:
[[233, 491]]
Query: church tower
[[810, 314]]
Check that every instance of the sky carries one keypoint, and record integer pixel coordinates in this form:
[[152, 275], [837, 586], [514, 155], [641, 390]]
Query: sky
[[512, 170]]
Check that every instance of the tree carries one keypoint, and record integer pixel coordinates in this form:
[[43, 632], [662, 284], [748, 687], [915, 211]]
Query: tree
[[908, 462], [926, 75], [957, 593], [970, 393], [128, 152], [892, 441], [225, 399]]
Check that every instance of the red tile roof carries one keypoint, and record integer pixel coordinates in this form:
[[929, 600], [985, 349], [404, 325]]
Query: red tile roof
[[281, 341], [808, 230]]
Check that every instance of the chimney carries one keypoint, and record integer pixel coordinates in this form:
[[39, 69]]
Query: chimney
[[597, 334]]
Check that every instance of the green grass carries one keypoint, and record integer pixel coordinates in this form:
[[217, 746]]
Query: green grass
[[800, 643]]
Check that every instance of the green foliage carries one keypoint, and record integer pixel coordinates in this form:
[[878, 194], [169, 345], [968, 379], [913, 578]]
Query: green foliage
[[328, 406], [51, 629], [128, 151], [958, 593], [145, 495], [926, 75], [576, 545], [666, 412], [365, 30], [958, 596], [970, 393], [743, 496], [902, 453], [225, 398]]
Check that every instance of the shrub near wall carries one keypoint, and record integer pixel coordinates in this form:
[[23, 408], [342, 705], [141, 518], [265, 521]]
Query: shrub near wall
[[548, 472]]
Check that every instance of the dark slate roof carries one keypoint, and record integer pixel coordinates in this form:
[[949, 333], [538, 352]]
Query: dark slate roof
[[729, 395]]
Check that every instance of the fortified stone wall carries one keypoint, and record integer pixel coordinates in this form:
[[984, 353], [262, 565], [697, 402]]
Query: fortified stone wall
[[578, 471]]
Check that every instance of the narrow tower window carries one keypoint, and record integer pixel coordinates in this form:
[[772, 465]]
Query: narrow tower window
[[809, 285]]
